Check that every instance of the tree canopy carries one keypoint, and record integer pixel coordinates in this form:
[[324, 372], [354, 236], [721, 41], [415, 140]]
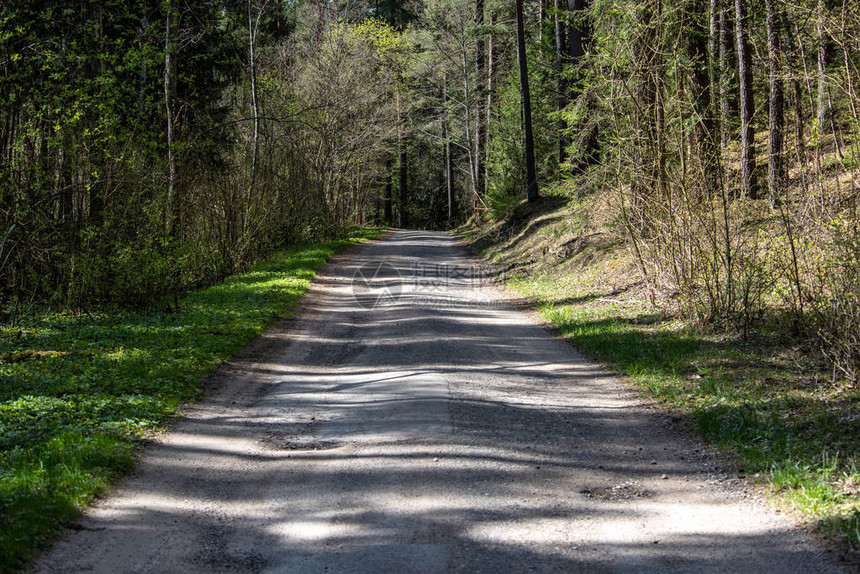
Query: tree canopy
[[152, 146]]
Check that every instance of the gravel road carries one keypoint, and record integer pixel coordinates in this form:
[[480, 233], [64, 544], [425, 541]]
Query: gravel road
[[410, 420]]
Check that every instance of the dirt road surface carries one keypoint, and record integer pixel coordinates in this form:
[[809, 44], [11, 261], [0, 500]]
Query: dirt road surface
[[409, 420]]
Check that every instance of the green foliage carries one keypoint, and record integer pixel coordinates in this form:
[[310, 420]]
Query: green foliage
[[344, 98], [48, 483], [82, 115], [144, 274], [507, 179], [78, 391], [507, 186]]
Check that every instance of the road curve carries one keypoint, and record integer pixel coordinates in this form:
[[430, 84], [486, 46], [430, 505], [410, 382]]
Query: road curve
[[410, 421]]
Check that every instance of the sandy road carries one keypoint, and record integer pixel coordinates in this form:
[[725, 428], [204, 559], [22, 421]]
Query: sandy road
[[422, 427]]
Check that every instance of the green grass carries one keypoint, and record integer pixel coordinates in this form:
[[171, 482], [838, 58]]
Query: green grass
[[77, 392], [796, 431]]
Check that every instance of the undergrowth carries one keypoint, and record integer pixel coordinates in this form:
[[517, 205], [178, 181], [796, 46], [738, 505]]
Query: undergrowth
[[754, 397], [769, 401]]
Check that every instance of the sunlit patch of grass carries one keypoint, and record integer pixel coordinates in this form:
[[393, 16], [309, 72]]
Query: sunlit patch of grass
[[828, 489], [49, 482], [77, 392]]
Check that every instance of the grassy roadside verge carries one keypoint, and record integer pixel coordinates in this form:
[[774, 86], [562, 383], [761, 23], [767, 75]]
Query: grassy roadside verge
[[762, 399], [78, 392]]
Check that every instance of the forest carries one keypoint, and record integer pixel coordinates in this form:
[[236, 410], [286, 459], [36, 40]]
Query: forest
[[152, 148]]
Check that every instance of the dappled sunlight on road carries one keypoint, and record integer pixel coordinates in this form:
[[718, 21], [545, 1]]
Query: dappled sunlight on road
[[377, 435]]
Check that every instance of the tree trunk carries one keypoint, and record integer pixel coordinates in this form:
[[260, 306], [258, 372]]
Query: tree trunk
[[491, 86], [822, 105], [749, 185], [540, 21], [728, 92], [97, 153], [377, 205], [401, 182], [645, 169], [255, 108], [776, 105], [714, 31], [449, 181], [402, 174], [389, 192], [169, 94], [562, 88], [579, 36], [796, 60], [578, 32], [531, 172], [480, 125], [401, 164], [447, 159], [799, 122], [705, 129]]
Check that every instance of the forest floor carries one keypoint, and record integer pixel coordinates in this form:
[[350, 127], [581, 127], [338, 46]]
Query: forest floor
[[767, 404], [414, 418]]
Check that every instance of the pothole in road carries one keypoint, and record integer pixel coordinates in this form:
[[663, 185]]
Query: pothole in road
[[627, 490], [296, 437], [276, 442]]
